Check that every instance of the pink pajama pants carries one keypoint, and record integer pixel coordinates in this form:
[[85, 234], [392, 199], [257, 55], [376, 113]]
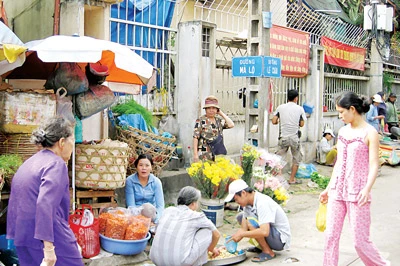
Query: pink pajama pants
[[360, 221]]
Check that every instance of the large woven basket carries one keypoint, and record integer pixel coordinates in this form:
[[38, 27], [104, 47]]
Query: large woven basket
[[18, 144], [141, 142], [100, 167]]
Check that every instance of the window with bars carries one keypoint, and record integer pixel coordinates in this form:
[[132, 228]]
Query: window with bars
[[206, 36]]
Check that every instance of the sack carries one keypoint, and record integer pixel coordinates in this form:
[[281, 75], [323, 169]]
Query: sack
[[64, 105], [320, 217], [69, 76], [85, 231], [217, 146], [96, 99]]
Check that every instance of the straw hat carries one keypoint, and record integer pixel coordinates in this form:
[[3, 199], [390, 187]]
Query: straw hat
[[211, 101]]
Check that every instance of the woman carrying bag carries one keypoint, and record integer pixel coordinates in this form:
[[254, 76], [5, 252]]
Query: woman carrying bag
[[207, 136]]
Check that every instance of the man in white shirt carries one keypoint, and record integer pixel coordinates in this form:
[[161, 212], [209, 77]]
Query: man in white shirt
[[290, 117], [325, 153], [263, 219]]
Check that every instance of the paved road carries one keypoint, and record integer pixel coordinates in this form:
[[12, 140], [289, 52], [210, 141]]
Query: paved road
[[307, 241]]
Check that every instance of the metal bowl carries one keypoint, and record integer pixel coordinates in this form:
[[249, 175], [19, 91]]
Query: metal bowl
[[227, 261]]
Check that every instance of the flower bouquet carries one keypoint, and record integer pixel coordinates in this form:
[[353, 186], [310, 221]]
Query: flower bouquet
[[273, 186], [249, 154], [267, 179], [272, 163], [213, 177]]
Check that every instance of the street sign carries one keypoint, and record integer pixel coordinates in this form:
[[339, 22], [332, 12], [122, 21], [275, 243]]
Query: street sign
[[256, 66], [272, 67], [249, 66]]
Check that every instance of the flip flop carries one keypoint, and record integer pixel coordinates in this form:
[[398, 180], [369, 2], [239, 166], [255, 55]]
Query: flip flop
[[254, 250], [297, 182], [263, 257]]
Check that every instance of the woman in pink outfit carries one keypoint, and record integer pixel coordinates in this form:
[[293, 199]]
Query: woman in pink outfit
[[353, 176]]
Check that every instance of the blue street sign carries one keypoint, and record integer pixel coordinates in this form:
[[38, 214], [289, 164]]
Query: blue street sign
[[249, 66], [272, 67]]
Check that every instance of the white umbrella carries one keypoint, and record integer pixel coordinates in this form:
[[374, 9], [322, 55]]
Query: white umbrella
[[12, 50], [124, 65]]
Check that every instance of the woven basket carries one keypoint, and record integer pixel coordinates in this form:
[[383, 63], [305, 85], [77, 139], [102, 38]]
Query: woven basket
[[100, 167], [142, 142], [18, 144]]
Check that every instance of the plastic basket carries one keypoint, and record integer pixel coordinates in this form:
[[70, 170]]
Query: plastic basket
[[140, 142], [100, 167]]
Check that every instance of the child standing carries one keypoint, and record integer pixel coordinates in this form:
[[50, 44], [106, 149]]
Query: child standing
[[352, 178]]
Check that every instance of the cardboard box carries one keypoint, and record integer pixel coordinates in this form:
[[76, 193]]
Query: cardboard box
[[22, 112]]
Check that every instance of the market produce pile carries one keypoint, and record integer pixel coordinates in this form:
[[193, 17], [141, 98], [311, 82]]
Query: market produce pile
[[123, 224], [224, 254]]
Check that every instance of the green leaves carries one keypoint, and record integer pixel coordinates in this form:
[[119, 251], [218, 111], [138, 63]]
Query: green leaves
[[320, 180]]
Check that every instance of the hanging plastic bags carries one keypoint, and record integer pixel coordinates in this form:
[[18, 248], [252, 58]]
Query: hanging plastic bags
[[64, 105], [320, 216]]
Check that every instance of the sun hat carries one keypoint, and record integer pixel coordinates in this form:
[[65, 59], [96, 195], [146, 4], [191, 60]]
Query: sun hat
[[377, 98], [393, 95], [329, 131], [235, 187], [211, 101]]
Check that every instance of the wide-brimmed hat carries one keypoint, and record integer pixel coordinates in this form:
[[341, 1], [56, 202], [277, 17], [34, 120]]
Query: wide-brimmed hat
[[211, 101], [393, 95], [377, 98]]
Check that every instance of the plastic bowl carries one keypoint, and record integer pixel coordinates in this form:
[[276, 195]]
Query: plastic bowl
[[124, 247]]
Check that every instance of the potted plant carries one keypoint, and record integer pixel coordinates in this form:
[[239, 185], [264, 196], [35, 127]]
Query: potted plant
[[9, 164]]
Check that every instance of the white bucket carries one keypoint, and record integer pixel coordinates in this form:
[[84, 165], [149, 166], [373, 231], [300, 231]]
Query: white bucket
[[214, 210]]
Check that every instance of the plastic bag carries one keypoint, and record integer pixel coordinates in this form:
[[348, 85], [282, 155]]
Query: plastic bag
[[87, 236], [393, 159], [169, 124], [320, 217], [138, 227], [64, 105], [305, 170]]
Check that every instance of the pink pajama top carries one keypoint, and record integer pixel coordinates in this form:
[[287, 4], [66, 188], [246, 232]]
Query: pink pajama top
[[350, 173]]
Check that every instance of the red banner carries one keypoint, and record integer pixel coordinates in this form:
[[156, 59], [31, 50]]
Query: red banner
[[293, 48], [343, 55]]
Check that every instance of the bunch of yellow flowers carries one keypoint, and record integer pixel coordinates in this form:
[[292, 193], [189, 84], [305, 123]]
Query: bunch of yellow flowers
[[213, 177], [249, 154]]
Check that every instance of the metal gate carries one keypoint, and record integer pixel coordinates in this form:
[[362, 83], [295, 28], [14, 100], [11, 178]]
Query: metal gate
[[144, 26]]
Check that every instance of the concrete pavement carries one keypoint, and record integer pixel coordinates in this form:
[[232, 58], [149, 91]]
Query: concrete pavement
[[307, 241]]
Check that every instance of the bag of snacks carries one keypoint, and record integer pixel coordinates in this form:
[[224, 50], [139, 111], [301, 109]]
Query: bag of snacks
[[138, 227], [116, 226]]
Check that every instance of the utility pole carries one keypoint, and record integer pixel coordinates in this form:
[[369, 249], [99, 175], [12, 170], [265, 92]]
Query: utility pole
[[258, 43]]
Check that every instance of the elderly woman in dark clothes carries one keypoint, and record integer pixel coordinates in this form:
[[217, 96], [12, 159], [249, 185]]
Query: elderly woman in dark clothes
[[38, 208]]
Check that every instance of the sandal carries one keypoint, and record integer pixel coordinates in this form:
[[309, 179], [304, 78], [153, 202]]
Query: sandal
[[263, 257], [297, 182], [254, 250]]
